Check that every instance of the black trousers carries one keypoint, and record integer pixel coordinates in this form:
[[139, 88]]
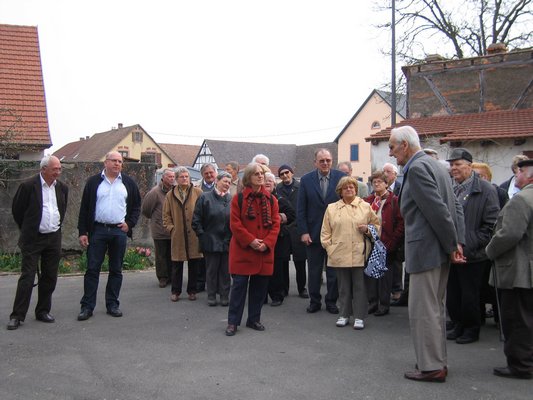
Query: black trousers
[[463, 294], [276, 281], [301, 275], [163, 258], [47, 249], [517, 324], [177, 276]]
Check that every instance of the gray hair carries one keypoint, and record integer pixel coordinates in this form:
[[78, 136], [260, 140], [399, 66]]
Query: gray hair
[[207, 165], [45, 161], [408, 134], [528, 171], [181, 170], [347, 163], [270, 175], [394, 167], [223, 174], [167, 170], [261, 156]]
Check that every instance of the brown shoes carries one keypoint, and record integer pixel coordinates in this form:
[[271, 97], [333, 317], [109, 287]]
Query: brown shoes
[[438, 375], [192, 296], [163, 282], [174, 297], [231, 330]]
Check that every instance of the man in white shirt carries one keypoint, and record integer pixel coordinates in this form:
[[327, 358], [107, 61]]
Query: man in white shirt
[[38, 208]]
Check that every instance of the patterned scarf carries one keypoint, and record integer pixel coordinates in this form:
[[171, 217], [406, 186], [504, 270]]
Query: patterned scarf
[[266, 212]]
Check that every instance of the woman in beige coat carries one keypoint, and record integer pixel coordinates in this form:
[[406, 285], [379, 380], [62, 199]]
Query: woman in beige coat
[[343, 228], [178, 210]]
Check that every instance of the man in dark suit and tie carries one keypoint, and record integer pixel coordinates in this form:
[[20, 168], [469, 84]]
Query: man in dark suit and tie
[[434, 233], [317, 190], [38, 208]]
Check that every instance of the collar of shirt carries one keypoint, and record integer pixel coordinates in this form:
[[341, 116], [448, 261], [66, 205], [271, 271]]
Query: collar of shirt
[[320, 176], [43, 182], [408, 164], [119, 176]]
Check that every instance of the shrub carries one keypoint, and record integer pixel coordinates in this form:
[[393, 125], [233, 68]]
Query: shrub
[[10, 262]]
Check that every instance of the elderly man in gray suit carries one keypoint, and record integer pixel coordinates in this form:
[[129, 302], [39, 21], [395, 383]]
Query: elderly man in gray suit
[[434, 231], [511, 248]]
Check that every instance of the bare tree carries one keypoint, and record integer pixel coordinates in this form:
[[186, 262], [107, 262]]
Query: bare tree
[[459, 29], [9, 120]]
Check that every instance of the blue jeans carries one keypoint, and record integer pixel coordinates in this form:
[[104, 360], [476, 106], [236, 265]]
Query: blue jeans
[[102, 240], [316, 256], [256, 297]]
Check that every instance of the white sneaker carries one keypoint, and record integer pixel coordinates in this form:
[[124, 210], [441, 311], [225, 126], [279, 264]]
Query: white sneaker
[[343, 321], [359, 324]]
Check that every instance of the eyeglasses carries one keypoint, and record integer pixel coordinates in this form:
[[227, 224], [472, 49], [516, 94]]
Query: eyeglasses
[[325, 161], [114, 160], [284, 173]]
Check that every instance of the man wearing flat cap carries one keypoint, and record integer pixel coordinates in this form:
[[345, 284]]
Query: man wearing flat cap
[[511, 248], [288, 188], [481, 206]]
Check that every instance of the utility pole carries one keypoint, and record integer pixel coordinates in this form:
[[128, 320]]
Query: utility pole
[[393, 61]]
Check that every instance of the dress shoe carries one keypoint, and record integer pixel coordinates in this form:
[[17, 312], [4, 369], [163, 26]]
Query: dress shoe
[[450, 325], [381, 312], [84, 314], [13, 324], [276, 303], [438, 375], [174, 297], [192, 296], [45, 317], [506, 372], [401, 302], [163, 282], [231, 330], [372, 308], [211, 301], [313, 308], [303, 294], [332, 309], [455, 332], [224, 302], [256, 326], [466, 338], [115, 312]]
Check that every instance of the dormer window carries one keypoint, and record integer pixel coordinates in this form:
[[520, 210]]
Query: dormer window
[[137, 136], [376, 125]]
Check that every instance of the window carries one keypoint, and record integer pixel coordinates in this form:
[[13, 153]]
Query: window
[[124, 153], [376, 125], [137, 136], [354, 152], [148, 158]]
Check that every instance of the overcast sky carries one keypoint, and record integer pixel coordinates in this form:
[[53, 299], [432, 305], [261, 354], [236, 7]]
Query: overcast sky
[[279, 71]]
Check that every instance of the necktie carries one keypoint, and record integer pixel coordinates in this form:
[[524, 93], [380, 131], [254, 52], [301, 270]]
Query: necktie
[[324, 185]]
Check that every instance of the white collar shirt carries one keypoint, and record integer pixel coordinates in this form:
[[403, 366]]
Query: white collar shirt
[[50, 218], [111, 201]]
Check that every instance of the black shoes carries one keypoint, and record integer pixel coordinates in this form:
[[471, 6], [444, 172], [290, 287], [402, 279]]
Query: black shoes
[[506, 372], [372, 308], [114, 312], [276, 303], [303, 294], [381, 312], [45, 317], [332, 309], [85, 314], [313, 308], [256, 326], [13, 324], [401, 302]]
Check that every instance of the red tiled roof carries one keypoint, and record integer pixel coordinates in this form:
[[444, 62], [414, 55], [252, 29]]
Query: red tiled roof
[[22, 98], [504, 124], [181, 154]]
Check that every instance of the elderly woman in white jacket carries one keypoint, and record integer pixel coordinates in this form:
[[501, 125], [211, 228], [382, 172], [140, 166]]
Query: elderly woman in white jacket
[[343, 228]]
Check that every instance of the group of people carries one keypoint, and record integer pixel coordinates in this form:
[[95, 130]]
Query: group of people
[[237, 237]]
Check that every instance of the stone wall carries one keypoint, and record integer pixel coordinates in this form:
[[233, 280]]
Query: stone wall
[[12, 173]]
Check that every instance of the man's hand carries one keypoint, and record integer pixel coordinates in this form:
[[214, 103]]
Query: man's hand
[[457, 256], [84, 241], [306, 239], [124, 227]]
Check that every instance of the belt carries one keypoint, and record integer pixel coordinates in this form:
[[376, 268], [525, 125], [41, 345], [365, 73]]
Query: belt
[[106, 225]]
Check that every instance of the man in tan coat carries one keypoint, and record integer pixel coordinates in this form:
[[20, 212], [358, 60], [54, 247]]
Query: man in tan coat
[[178, 210], [152, 208]]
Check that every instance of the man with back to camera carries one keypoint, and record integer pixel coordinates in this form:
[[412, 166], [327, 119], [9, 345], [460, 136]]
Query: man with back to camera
[[434, 231], [110, 208], [317, 190], [152, 208], [39, 208], [511, 248], [346, 167]]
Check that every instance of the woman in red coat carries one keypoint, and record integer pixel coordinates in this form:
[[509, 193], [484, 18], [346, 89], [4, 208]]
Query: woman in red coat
[[254, 223], [385, 205]]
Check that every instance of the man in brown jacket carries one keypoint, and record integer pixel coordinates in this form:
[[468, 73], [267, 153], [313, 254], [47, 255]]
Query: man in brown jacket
[[178, 210], [152, 208]]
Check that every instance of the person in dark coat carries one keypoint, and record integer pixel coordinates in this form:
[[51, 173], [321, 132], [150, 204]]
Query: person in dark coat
[[211, 224], [288, 189], [39, 208], [254, 224], [282, 251]]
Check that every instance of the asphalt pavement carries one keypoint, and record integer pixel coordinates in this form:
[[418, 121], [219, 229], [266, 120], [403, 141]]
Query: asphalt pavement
[[165, 350]]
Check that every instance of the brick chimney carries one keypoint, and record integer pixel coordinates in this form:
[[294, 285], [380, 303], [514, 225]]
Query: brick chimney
[[496, 48], [120, 126]]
